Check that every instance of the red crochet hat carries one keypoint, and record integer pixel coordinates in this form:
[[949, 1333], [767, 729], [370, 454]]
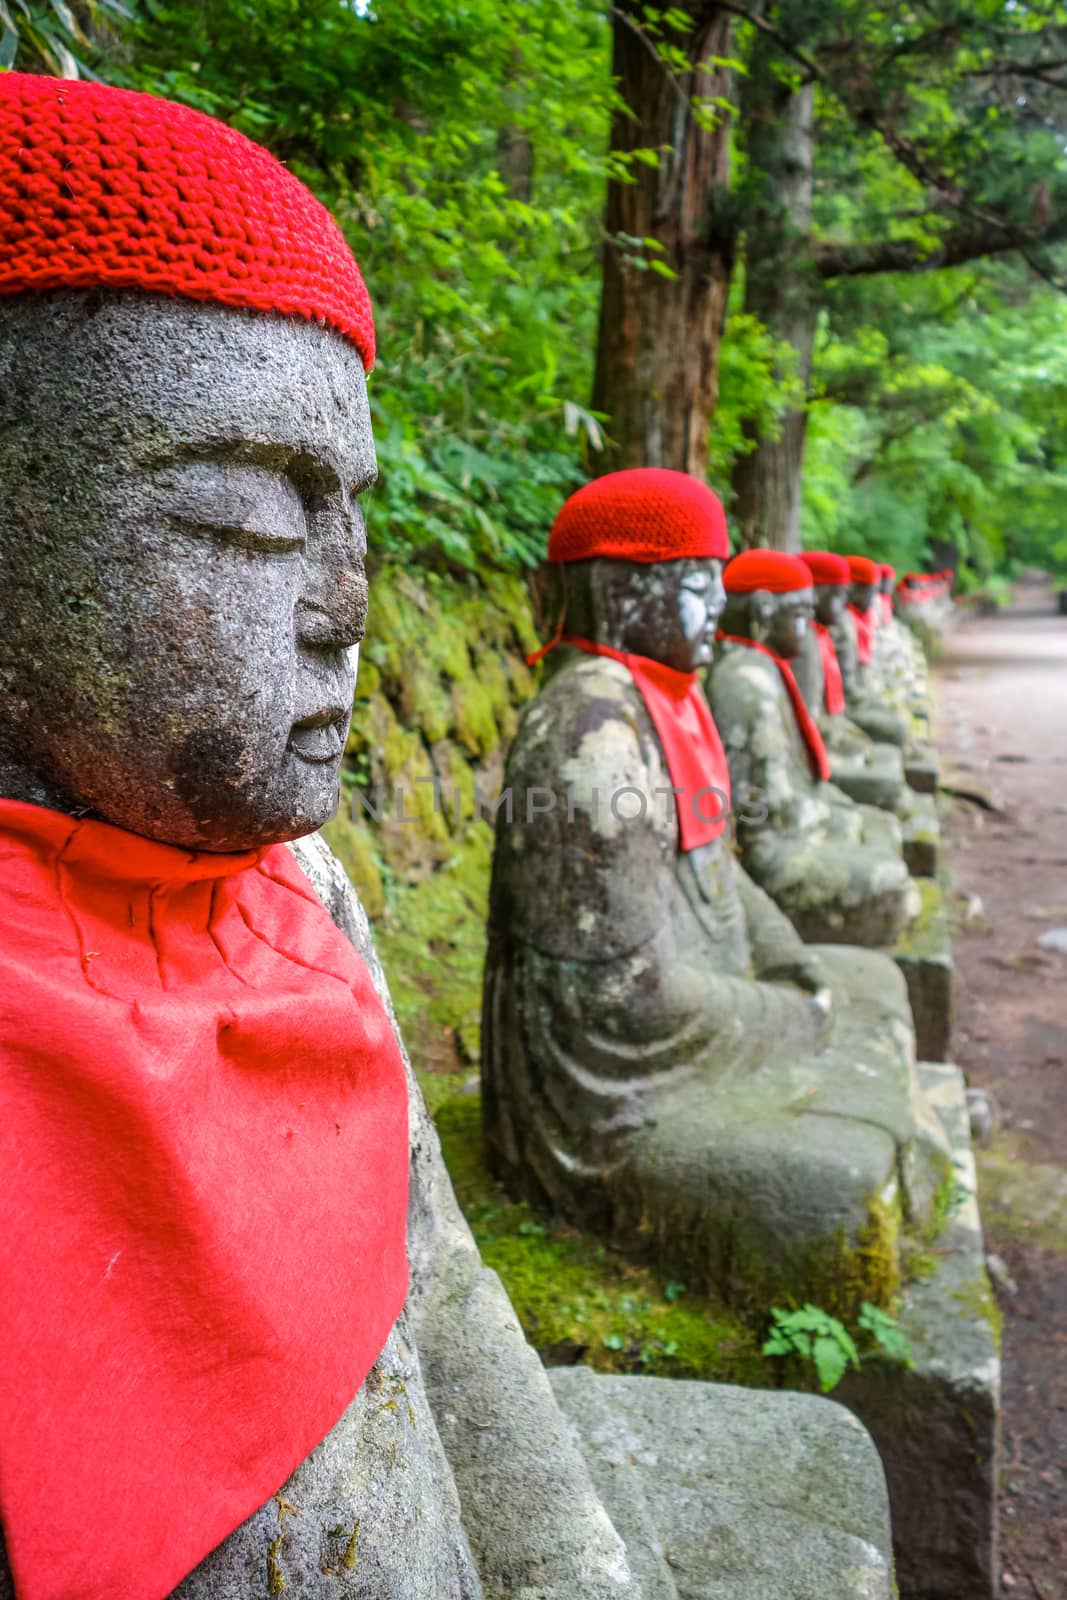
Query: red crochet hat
[[774, 570], [886, 571], [863, 570], [645, 514], [104, 188], [825, 567]]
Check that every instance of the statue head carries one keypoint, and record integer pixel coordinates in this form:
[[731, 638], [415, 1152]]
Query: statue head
[[866, 582], [769, 598], [639, 556], [831, 578], [888, 577], [182, 584]]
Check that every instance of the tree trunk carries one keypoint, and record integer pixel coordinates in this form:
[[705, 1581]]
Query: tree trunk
[[658, 342], [782, 289]]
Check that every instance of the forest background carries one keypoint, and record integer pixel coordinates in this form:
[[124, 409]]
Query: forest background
[[812, 250]]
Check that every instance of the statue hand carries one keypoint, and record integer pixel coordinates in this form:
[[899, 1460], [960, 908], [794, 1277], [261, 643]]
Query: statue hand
[[806, 971], [822, 1001]]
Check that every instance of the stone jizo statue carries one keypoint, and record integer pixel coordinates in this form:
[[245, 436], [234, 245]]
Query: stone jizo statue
[[853, 634], [664, 1061], [250, 1345], [833, 866], [867, 771]]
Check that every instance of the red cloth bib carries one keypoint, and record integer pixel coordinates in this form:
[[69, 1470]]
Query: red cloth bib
[[833, 684], [203, 1135], [820, 761], [865, 626], [695, 757]]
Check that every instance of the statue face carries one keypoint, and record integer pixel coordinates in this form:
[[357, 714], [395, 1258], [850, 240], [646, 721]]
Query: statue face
[[830, 602], [181, 564], [861, 595], [677, 611], [789, 622]]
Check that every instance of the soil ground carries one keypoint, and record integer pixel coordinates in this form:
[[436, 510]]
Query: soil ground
[[1002, 731]]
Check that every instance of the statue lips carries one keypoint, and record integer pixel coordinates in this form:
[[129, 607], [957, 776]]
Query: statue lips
[[320, 738]]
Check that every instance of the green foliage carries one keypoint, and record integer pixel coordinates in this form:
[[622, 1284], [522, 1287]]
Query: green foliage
[[55, 36], [814, 1337], [463, 150]]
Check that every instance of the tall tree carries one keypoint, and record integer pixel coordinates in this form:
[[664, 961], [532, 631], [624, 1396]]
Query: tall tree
[[930, 152], [669, 249]]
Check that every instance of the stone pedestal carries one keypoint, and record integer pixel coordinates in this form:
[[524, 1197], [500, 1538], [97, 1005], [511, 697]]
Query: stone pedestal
[[924, 956], [921, 767], [722, 1494], [937, 1424], [922, 836]]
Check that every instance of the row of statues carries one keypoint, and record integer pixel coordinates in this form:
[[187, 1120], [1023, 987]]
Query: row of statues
[[249, 1342]]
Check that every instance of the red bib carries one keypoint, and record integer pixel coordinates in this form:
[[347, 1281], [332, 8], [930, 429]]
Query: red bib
[[203, 1134], [809, 732], [693, 750], [864, 634], [833, 684]]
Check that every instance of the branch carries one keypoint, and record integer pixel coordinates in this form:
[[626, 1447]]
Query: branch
[[809, 64], [961, 245]]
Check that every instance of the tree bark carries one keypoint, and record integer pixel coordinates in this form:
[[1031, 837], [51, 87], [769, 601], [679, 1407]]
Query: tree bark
[[659, 336], [781, 289]]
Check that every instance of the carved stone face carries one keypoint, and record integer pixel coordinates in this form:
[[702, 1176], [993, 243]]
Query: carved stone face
[[861, 595], [667, 610], [789, 622], [181, 563], [830, 602]]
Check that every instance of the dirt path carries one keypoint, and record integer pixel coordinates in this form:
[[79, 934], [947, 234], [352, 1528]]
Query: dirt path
[[1002, 703]]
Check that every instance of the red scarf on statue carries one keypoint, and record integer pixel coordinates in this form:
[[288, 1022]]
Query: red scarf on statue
[[865, 625], [833, 683], [203, 1134], [806, 726], [693, 750]]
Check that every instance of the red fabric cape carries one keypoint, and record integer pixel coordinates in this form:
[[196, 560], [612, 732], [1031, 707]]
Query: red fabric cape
[[203, 1132], [695, 757], [865, 626], [833, 684], [809, 732]]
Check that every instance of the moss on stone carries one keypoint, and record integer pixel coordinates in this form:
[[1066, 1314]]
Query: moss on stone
[[979, 1301], [576, 1299], [928, 934]]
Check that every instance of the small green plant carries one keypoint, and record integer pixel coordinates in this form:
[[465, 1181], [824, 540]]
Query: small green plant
[[814, 1335], [885, 1331]]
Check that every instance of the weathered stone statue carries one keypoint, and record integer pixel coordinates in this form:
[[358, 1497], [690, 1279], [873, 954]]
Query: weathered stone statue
[[867, 771], [833, 866], [853, 634], [221, 1173], [663, 1059]]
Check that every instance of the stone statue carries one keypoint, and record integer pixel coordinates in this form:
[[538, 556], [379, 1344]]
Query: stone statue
[[867, 771], [833, 866], [223, 1174], [183, 592], [663, 1059], [853, 634]]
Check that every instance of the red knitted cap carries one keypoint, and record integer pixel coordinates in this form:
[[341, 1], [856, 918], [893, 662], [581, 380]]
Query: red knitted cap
[[825, 567], [104, 188], [774, 570], [645, 514], [886, 571], [862, 569]]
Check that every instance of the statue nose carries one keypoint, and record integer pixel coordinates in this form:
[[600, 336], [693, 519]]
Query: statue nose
[[332, 612]]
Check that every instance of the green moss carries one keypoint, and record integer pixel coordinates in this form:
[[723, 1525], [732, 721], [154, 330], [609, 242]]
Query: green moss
[[352, 845], [432, 943], [578, 1300], [978, 1300], [928, 935]]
